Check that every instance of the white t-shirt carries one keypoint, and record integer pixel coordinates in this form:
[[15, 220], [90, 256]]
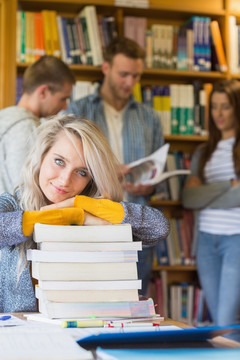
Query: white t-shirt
[[220, 168], [114, 123]]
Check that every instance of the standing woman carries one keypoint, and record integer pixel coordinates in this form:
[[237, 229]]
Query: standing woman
[[213, 191], [68, 178]]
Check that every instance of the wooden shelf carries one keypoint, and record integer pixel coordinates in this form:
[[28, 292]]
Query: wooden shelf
[[184, 138], [175, 268], [205, 75], [210, 8], [146, 72], [186, 143], [166, 202]]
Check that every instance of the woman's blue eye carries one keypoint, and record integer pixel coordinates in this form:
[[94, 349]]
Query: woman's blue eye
[[59, 162], [82, 173]]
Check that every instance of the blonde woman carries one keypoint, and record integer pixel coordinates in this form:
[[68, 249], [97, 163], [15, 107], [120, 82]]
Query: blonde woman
[[68, 178]]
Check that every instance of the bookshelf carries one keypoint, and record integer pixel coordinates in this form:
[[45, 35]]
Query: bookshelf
[[159, 12]]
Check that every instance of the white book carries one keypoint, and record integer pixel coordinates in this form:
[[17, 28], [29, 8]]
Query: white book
[[82, 296], [82, 256], [78, 246], [40, 342], [174, 185], [150, 169], [75, 233], [90, 285], [61, 41], [89, 12], [123, 309], [84, 271]]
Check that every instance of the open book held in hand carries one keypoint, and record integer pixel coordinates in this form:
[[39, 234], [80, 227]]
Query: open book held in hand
[[150, 169]]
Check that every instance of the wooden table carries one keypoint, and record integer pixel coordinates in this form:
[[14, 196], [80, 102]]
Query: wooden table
[[218, 341]]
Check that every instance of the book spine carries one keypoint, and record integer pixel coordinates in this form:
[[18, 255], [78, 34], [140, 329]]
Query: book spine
[[156, 63], [166, 110], [80, 40], [137, 92], [141, 26], [149, 49], [27, 37], [162, 252], [183, 109], [39, 37], [218, 45], [18, 36], [70, 40], [190, 109], [47, 32], [61, 39], [89, 55], [197, 125], [55, 34], [94, 39], [130, 27], [207, 43], [69, 59], [174, 98]]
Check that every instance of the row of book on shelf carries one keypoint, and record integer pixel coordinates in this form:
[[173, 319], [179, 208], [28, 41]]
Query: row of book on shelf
[[178, 248], [183, 302], [196, 45], [77, 40], [183, 108]]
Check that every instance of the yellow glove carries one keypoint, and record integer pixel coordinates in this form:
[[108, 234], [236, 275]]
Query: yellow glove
[[65, 216], [103, 208]]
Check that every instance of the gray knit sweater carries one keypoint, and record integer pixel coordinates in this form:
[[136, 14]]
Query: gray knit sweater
[[17, 134], [148, 225]]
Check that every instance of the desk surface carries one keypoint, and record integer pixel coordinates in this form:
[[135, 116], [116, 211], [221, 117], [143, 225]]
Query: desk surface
[[218, 341]]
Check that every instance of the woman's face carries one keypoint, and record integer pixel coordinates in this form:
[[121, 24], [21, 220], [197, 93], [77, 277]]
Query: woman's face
[[63, 173], [223, 114]]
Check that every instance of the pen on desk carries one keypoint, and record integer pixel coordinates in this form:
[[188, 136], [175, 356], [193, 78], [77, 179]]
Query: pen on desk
[[128, 324], [5, 317], [102, 323]]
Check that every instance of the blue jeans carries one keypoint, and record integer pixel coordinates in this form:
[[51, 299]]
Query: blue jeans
[[144, 266], [218, 263]]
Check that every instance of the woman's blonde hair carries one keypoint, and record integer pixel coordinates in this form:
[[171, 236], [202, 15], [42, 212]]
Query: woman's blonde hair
[[99, 159], [98, 156]]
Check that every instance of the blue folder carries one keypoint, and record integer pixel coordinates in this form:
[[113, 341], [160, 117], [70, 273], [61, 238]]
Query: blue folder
[[156, 337], [170, 354]]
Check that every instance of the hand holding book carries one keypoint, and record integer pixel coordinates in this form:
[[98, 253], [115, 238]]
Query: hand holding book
[[150, 169]]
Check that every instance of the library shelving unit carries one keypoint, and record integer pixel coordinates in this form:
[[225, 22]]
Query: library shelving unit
[[172, 12], [159, 11]]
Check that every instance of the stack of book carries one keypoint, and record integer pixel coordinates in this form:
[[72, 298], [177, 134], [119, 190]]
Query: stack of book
[[86, 271]]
